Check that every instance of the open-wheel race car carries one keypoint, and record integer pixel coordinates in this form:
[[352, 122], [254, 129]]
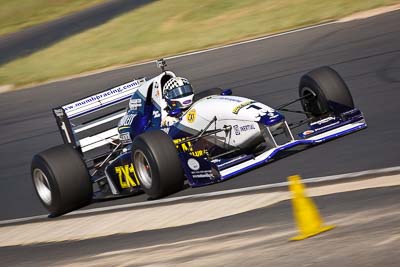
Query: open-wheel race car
[[110, 150]]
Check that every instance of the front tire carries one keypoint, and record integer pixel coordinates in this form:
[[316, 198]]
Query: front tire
[[324, 92], [61, 180], [157, 164]]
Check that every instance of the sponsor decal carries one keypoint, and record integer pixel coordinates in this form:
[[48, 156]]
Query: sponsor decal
[[130, 85], [135, 103], [125, 138], [308, 132], [247, 127], [191, 116], [231, 99], [156, 114], [101, 96], [202, 174], [126, 120], [187, 147], [323, 121], [127, 176], [187, 101], [193, 164], [236, 129], [242, 105], [272, 115], [156, 91]]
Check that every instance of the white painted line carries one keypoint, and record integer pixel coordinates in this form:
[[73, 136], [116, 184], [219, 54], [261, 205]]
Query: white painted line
[[26, 219], [113, 68], [389, 240], [249, 41], [189, 241], [371, 13], [199, 239], [351, 175]]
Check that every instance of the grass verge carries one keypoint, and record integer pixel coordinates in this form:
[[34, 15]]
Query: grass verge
[[16, 15], [168, 27]]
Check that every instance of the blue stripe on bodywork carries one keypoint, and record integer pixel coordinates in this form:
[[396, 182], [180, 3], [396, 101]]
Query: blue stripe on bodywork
[[293, 144]]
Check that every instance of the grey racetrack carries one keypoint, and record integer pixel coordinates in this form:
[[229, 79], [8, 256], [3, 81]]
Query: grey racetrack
[[366, 235], [366, 53]]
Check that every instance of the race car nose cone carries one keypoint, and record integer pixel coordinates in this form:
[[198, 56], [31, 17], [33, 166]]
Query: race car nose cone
[[271, 118]]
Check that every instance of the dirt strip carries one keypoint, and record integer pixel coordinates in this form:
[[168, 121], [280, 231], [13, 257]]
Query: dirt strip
[[363, 238], [179, 214], [370, 13]]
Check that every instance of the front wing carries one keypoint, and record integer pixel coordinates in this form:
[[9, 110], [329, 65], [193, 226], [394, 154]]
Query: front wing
[[201, 171]]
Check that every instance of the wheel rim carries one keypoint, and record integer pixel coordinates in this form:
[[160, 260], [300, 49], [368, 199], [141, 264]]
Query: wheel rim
[[143, 169], [310, 101], [42, 186]]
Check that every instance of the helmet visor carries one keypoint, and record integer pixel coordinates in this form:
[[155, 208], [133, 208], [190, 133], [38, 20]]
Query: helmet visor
[[180, 91]]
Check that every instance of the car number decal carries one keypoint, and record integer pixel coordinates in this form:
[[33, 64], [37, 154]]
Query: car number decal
[[125, 174], [191, 116]]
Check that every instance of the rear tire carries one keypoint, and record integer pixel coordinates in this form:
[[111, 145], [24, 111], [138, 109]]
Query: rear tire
[[157, 164], [326, 91], [61, 180], [203, 94]]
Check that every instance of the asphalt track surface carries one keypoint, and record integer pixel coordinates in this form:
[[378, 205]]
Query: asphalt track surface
[[367, 234], [34, 38], [366, 53]]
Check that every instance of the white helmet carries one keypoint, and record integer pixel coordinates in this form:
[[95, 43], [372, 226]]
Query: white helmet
[[178, 93]]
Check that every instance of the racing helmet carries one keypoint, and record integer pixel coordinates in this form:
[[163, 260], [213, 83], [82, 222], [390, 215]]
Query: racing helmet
[[178, 93]]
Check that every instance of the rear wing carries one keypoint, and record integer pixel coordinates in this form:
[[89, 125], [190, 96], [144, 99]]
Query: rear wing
[[91, 122]]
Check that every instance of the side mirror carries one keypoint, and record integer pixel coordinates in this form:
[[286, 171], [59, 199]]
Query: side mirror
[[227, 92], [175, 112]]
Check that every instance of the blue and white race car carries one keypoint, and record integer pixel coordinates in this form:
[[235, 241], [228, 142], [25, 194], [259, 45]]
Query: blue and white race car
[[110, 150]]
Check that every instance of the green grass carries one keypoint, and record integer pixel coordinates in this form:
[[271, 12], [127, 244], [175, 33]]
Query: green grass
[[19, 14], [168, 27]]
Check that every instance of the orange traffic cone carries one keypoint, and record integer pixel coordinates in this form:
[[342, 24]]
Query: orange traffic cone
[[306, 214]]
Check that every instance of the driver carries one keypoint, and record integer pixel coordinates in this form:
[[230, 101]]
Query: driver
[[178, 94]]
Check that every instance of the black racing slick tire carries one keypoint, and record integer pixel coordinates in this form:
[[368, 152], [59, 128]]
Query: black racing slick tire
[[208, 92], [157, 164], [323, 91], [61, 180]]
